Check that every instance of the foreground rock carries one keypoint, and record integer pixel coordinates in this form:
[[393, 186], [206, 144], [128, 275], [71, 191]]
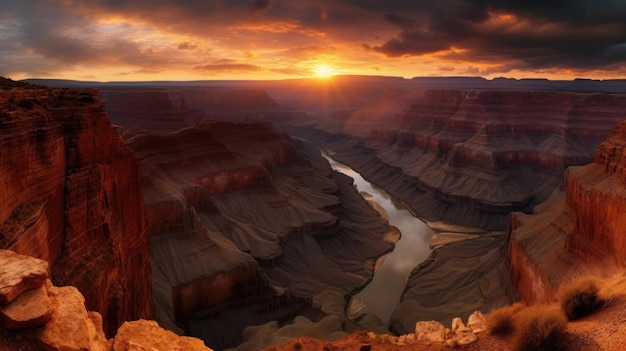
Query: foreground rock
[[20, 273], [31, 309], [147, 335], [55, 318]]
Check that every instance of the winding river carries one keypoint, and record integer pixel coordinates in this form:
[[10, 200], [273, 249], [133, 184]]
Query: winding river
[[382, 294]]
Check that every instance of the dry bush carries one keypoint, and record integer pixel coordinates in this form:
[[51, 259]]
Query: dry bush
[[539, 328], [580, 297], [500, 321]]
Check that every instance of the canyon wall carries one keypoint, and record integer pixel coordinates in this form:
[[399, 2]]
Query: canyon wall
[[167, 109], [250, 227], [578, 231], [71, 196], [471, 157]]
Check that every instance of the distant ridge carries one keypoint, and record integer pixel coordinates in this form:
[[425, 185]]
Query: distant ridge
[[576, 85]]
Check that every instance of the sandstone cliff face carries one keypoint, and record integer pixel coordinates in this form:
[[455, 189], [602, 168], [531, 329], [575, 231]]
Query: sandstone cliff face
[[71, 196], [472, 157], [248, 227], [577, 231]]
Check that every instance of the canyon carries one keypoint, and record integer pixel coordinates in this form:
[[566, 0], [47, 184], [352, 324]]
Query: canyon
[[240, 233]]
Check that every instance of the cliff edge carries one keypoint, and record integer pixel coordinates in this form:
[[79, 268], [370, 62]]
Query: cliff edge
[[71, 196]]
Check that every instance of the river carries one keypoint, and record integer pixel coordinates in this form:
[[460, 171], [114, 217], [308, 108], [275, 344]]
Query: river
[[382, 294]]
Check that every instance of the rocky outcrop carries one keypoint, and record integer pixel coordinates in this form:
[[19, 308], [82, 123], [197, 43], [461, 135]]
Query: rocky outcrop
[[231, 103], [71, 196], [46, 317], [168, 109], [578, 231], [472, 157], [264, 222], [157, 110]]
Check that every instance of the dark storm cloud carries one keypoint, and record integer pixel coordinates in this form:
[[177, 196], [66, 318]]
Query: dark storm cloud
[[259, 6], [538, 34]]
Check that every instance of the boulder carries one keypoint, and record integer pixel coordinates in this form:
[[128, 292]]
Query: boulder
[[461, 338], [70, 328], [19, 273], [31, 309], [477, 322], [458, 326], [430, 331], [147, 335]]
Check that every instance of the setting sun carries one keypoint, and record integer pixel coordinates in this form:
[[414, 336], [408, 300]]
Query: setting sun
[[323, 71]]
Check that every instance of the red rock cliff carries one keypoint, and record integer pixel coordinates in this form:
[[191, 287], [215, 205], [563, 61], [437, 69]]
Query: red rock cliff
[[71, 195], [579, 230]]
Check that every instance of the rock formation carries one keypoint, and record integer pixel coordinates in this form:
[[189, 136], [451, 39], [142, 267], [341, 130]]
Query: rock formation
[[36, 315], [167, 109], [157, 110], [71, 196], [471, 157], [577, 231], [272, 232]]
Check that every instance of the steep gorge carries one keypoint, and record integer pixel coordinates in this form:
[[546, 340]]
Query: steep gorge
[[471, 157], [250, 227]]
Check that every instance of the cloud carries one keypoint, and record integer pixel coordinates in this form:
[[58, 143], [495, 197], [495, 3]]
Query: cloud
[[226, 67], [446, 68], [395, 35], [292, 71], [534, 34], [259, 6], [187, 46]]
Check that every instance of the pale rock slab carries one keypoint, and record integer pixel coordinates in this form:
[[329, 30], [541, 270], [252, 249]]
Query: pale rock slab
[[70, 328], [29, 310], [146, 335], [430, 331], [458, 326], [477, 322], [19, 273]]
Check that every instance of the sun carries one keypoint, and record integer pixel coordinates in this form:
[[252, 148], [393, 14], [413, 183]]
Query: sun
[[323, 71]]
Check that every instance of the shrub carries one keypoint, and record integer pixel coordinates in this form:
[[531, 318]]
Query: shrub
[[580, 297], [539, 328], [500, 321]]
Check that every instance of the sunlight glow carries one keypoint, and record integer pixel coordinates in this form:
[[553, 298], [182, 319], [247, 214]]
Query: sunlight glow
[[323, 71]]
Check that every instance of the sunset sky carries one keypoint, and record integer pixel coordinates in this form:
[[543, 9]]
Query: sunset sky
[[113, 40]]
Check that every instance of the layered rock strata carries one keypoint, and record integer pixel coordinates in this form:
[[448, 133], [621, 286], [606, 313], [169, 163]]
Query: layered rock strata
[[165, 110], [248, 227], [71, 196], [578, 231], [472, 157], [36, 315], [157, 110]]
